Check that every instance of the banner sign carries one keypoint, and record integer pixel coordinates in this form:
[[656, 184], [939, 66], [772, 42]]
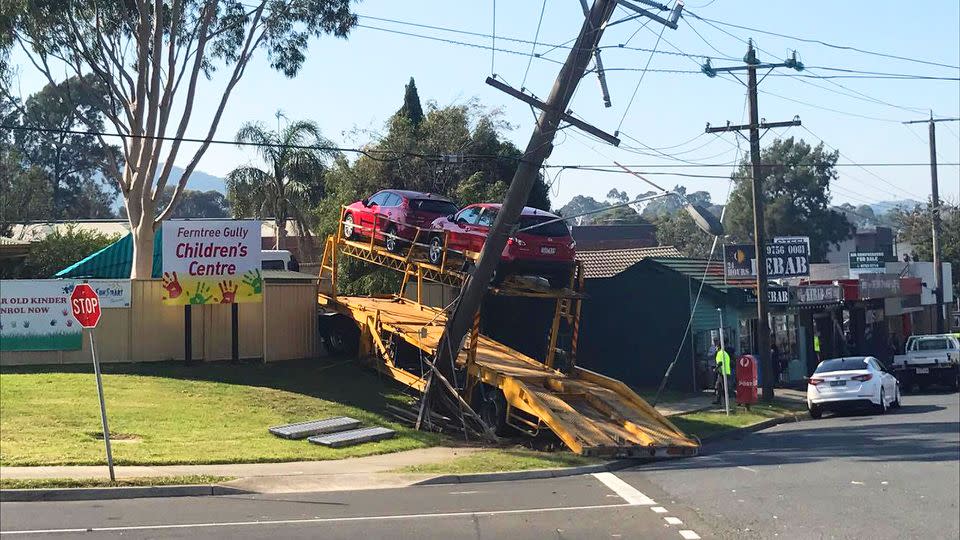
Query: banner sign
[[211, 262], [879, 286], [776, 295], [787, 260], [739, 261], [113, 293], [872, 262], [793, 240], [816, 294], [35, 315], [782, 259]]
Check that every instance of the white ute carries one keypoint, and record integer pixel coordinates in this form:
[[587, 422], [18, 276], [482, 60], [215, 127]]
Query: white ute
[[929, 359]]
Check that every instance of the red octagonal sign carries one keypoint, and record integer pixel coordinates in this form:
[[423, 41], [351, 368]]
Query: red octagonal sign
[[86, 305]]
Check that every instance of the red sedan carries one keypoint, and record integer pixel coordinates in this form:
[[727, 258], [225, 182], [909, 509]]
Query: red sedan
[[397, 213], [546, 250]]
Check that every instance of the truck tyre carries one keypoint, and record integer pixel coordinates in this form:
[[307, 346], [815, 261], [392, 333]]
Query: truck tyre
[[493, 410], [815, 411], [342, 336]]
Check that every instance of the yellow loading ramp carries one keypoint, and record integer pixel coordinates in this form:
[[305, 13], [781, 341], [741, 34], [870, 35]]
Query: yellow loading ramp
[[592, 414]]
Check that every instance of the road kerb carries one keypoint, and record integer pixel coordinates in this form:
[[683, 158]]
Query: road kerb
[[532, 474], [102, 493]]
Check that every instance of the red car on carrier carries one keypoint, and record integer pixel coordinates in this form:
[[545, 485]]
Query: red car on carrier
[[546, 250], [398, 213]]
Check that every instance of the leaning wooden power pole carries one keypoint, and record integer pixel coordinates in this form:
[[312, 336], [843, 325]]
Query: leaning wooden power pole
[[935, 209], [537, 150], [759, 235]]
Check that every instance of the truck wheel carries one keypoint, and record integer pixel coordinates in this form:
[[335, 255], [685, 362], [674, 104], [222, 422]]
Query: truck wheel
[[815, 411], [493, 410], [343, 337]]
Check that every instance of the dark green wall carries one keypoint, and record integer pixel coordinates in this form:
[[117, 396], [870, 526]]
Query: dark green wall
[[632, 324]]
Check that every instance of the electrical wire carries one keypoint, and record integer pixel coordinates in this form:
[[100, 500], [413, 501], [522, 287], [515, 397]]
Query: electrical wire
[[642, 74], [824, 43], [871, 173], [533, 48], [493, 40], [455, 42]]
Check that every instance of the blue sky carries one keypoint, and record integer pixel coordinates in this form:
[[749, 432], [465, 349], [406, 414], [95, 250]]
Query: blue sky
[[350, 87]]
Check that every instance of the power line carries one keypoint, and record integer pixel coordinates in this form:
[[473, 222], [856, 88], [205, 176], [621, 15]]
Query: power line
[[536, 36], [824, 43], [642, 74], [456, 42]]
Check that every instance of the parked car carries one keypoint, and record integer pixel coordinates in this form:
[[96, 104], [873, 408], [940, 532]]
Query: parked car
[[400, 213], [929, 359], [278, 259], [851, 382], [541, 246]]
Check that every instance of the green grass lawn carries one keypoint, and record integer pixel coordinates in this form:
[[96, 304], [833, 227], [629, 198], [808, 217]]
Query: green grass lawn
[[502, 459], [48, 483], [705, 423], [169, 413]]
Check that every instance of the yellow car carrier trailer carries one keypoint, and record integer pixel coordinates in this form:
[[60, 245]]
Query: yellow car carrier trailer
[[590, 413]]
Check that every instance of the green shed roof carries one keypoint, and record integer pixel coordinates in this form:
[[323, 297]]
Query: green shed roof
[[114, 261]]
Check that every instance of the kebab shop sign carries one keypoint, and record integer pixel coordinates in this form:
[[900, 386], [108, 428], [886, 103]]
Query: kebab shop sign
[[211, 262]]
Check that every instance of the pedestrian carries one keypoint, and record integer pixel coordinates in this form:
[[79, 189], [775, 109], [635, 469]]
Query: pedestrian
[[816, 346], [722, 359]]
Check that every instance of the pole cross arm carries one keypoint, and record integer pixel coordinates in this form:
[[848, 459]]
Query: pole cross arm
[[596, 132], [745, 127], [670, 22]]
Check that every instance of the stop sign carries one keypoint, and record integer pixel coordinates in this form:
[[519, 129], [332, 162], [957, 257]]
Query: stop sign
[[86, 305]]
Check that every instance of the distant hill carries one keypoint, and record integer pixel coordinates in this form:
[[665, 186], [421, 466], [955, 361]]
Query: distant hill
[[883, 207], [199, 181]]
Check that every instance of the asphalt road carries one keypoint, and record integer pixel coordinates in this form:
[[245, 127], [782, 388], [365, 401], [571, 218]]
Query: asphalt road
[[855, 476], [893, 476]]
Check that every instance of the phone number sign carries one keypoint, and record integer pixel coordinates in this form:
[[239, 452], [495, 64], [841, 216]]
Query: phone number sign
[[211, 262]]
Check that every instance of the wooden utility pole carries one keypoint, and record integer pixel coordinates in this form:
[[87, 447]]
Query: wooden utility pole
[[759, 234], [537, 150], [935, 217]]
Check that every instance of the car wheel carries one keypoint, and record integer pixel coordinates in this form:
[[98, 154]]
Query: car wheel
[[435, 254], [882, 408], [815, 411], [390, 239], [348, 226]]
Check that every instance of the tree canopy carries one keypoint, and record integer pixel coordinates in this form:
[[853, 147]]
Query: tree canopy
[[915, 226], [796, 190], [150, 57]]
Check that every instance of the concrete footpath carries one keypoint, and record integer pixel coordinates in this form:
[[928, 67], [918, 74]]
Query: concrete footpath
[[352, 473], [705, 401]]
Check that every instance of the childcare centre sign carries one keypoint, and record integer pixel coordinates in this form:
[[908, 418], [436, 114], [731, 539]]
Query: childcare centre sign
[[35, 315], [211, 262]]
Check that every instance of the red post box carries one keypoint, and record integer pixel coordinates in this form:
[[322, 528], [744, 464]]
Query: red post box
[[746, 380]]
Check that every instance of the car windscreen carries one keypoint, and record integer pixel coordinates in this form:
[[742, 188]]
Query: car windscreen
[[932, 344], [555, 229], [841, 364], [434, 206]]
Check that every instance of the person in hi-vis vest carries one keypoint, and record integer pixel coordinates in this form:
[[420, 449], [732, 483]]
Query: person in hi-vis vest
[[723, 371]]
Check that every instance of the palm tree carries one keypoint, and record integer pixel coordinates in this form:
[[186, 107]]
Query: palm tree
[[295, 163]]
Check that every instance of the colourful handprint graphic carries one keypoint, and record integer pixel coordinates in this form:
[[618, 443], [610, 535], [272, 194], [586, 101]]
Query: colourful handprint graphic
[[172, 285], [254, 280], [200, 296], [228, 291]]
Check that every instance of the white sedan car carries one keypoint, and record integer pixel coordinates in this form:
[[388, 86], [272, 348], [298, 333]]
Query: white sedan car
[[851, 382]]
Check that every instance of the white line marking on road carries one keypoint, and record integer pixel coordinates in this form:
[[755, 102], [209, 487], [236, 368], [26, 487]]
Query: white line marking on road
[[672, 520], [689, 535], [396, 517], [754, 471], [659, 509], [854, 482], [623, 489], [463, 492]]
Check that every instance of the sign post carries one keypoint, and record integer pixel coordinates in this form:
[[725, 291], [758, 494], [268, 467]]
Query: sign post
[[86, 310], [723, 374]]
